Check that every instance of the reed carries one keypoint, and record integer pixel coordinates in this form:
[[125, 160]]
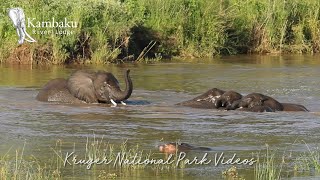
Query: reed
[[268, 166], [21, 166], [308, 161]]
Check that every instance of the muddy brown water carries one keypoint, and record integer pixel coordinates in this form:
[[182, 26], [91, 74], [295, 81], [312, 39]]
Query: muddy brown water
[[151, 117]]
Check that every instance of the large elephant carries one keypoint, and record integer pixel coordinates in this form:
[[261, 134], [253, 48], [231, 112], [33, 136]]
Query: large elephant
[[205, 100], [87, 87], [227, 98]]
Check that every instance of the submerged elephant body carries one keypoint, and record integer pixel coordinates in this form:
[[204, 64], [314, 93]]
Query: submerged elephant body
[[56, 91], [86, 87], [257, 109], [205, 100], [293, 107]]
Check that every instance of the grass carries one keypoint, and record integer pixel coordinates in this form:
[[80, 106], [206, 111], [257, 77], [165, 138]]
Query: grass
[[20, 167], [268, 167], [96, 151], [110, 31], [274, 166], [308, 161]]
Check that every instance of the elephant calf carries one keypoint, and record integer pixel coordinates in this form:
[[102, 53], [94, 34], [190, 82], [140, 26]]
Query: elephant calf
[[256, 99], [205, 100], [260, 103], [87, 87]]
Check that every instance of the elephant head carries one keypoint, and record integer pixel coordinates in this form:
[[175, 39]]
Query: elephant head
[[256, 99], [115, 92], [227, 98], [205, 100], [101, 86]]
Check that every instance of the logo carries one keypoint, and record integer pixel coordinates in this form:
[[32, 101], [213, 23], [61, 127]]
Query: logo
[[18, 18]]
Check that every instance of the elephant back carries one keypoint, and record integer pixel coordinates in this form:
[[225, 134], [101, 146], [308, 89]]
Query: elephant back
[[51, 88], [273, 104]]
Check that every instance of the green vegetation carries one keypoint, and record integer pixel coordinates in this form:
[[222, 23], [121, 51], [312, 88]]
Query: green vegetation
[[267, 166], [20, 167], [85, 163], [271, 165], [308, 161], [231, 174], [113, 30], [93, 161]]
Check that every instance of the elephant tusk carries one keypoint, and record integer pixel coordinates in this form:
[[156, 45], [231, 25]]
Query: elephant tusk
[[123, 103], [31, 39], [114, 104]]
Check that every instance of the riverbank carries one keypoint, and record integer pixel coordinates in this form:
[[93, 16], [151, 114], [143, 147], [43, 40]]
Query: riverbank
[[132, 30]]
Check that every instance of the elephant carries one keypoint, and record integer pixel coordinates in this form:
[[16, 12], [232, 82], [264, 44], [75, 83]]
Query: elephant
[[87, 87], [286, 107], [205, 100], [173, 147], [226, 99], [259, 103], [256, 99], [18, 18]]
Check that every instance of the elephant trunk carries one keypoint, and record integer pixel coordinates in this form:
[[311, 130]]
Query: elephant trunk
[[118, 95]]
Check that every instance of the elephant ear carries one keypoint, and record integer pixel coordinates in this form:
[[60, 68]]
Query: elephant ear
[[111, 80], [80, 85]]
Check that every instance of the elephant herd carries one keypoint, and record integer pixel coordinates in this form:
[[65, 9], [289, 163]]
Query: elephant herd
[[231, 100], [102, 87]]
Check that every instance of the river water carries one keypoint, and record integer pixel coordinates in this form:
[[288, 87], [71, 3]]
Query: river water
[[151, 117]]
